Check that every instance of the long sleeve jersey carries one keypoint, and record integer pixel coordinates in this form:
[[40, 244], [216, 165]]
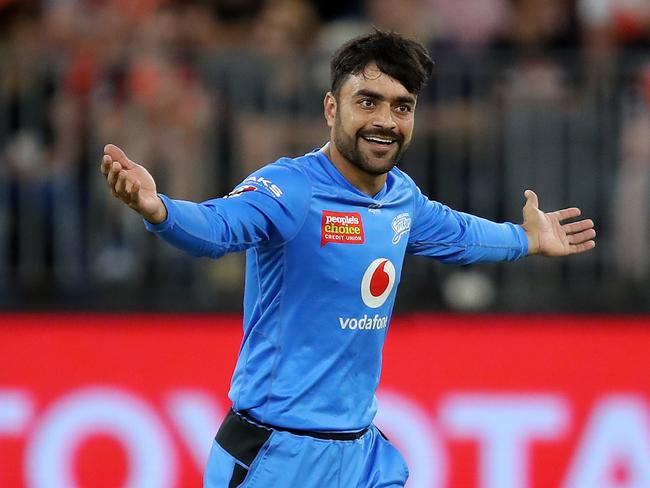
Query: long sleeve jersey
[[323, 261]]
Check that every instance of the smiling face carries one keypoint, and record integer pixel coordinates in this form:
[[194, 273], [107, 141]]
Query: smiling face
[[371, 121]]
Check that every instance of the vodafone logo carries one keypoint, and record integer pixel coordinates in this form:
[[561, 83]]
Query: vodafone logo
[[377, 282]]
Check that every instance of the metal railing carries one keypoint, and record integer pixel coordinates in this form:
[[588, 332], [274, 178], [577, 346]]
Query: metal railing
[[486, 129]]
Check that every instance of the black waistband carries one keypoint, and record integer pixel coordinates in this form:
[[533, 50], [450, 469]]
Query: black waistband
[[334, 436]]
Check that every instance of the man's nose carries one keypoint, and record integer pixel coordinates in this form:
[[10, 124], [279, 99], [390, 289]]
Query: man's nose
[[384, 117]]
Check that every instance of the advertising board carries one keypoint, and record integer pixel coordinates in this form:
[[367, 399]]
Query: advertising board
[[484, 401]]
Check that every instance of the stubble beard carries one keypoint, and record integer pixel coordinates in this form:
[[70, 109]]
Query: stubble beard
[[349, 149]]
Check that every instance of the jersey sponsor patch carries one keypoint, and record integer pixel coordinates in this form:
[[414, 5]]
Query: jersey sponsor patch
[[240, 190], [341, 228], [264, 183], [401, 225], [377, 282], [364, 323]]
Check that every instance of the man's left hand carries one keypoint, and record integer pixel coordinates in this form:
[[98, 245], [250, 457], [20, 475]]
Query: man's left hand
[[548, 236]]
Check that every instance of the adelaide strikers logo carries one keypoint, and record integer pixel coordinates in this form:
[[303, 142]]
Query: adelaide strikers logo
[[377, 282]]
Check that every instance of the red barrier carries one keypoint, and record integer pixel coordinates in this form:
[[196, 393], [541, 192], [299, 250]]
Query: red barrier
[[472, 401]]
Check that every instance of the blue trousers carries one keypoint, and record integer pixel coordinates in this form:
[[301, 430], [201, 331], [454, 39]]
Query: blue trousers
[[246, 454]]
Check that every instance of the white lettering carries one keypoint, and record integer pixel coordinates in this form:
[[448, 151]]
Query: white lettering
[[364, 323], [267, 184], [195, 414], [50, 452], [16, 410], [401, 225], [412, 431], [616, 436], [504, 426]]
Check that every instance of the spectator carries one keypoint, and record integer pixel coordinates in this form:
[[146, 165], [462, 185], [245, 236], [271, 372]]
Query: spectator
[[608, 26], [471, 24], [631, 210], [39, 119], [285, 114], [154, 88]]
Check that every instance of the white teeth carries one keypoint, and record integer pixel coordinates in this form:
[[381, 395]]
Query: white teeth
[[380, 140]]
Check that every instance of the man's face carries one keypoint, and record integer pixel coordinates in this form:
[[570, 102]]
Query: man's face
[[371, 120]]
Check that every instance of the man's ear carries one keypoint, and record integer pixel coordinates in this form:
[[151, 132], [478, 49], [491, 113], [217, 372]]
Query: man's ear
[[329, 107]]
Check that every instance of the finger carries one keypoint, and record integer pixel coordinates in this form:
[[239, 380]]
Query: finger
[[575, 227], [133, 196], [583, 247], [120, 185], [135, 192], [567, 213], [118, 155], [106, 164], [112, 174], [581, 237], [128, 186], [531, 198]]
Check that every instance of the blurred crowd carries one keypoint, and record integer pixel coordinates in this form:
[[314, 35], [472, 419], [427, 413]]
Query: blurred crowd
[[203, 92]]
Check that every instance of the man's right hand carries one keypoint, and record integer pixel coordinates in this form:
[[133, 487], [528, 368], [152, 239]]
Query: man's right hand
[[132, 184]]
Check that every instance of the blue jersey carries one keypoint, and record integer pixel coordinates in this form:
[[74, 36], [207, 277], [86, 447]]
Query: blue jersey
[[323, 261]]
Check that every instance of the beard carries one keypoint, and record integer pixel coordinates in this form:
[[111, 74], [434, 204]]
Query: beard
[[365, 160]]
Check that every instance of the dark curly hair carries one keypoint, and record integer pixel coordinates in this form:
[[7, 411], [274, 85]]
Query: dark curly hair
[[401, 58]]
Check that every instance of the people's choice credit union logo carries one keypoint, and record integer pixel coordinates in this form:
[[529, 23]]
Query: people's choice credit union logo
[[377, 282], [341, 228]]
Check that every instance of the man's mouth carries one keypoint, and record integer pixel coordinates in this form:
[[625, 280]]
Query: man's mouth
[[380, 140]]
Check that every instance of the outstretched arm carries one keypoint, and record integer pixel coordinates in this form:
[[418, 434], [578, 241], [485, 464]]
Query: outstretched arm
[[132, 184], [266, 208], [548, 236]]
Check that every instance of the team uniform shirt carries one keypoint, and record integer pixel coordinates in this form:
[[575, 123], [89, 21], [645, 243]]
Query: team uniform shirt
[[323, 261]]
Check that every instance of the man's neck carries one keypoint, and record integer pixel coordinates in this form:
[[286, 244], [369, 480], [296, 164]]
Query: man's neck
[[368, 183]]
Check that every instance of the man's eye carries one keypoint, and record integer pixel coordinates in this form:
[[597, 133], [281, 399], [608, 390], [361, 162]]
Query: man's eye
[[366, 103], [404, 108]]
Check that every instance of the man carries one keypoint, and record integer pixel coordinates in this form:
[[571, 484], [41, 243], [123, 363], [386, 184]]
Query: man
[[325, 236]]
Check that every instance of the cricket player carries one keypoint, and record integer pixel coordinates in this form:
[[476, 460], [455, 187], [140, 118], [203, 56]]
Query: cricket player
[[325, 236]]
